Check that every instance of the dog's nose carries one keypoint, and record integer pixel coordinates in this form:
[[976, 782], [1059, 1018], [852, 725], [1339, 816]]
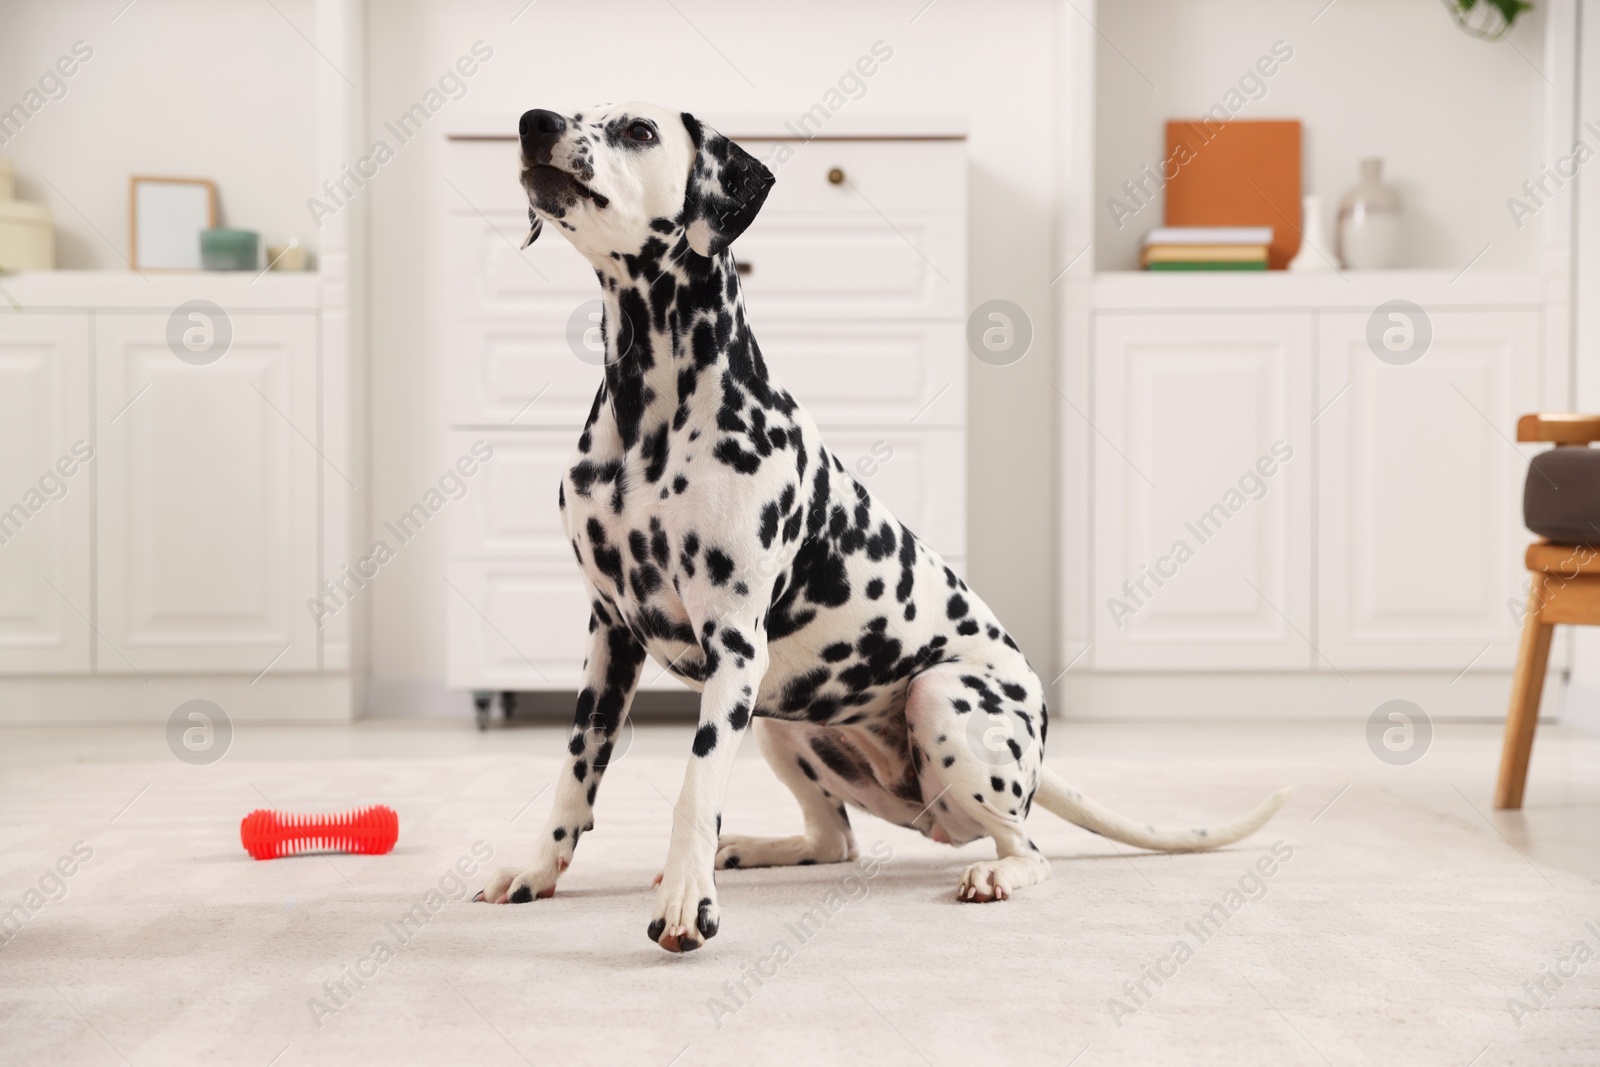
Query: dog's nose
[[539, 129]]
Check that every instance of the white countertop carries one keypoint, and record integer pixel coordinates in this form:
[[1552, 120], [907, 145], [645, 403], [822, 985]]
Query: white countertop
[[112, 289], [1361, 289]]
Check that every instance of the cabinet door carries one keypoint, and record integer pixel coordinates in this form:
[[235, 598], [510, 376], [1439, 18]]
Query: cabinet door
[[46, 494], [208, 487], [1202, 494], [1420, 528]]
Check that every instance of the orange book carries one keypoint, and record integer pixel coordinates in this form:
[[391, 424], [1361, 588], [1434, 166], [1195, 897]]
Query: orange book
[[1237, 172]]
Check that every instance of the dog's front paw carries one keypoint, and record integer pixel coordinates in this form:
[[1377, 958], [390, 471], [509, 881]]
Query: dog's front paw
[[518, 885], [686, 913]]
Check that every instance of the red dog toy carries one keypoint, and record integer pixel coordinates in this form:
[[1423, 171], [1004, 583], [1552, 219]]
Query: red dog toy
[[370, 832]]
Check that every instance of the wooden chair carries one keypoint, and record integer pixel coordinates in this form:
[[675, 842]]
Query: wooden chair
[[1563, 587]]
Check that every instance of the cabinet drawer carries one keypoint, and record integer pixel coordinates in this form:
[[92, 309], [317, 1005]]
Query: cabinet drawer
[[879, 176], [510, 509], [524, 624], [487, 275], [919, 475], [517, 624], [804, 268], [853, 267], [520, 372], [845, 374], [864, 374]]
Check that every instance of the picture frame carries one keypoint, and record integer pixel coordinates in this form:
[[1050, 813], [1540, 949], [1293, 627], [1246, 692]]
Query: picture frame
[[165, 217]]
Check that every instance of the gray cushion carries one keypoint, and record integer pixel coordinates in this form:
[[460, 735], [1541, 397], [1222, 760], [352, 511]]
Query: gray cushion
[[1561, 499]]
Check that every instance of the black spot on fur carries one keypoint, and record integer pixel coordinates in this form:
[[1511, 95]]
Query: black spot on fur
[[704, 921], [735, 642], [720, 565]]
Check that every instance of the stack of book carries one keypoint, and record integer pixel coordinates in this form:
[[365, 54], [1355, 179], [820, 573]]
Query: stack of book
[[1206, 248]]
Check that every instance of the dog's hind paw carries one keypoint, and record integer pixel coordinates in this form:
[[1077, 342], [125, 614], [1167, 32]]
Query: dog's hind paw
[[982, 883], [998, 879]]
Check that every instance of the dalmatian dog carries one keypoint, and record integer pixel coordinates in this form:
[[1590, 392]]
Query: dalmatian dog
[[719, 536]]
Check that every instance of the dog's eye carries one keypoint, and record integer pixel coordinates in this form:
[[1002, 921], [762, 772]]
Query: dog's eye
[[642, 132]]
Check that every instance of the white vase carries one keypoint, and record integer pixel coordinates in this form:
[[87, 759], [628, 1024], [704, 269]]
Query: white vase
[[1369, 222], [1315, 252]]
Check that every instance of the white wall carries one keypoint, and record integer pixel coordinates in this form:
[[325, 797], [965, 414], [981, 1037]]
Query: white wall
[[1456, 119], [990, 61], [181, 88]]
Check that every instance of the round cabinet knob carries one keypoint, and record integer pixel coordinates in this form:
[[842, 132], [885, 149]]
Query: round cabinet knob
[[836, 176]]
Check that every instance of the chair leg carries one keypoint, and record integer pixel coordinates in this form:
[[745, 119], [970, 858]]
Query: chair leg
[[1527, 685]]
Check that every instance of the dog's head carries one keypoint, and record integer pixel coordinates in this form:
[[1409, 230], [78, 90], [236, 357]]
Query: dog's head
[[617, 176]]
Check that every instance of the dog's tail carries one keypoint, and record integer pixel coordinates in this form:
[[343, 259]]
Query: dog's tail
[[1058, 797]]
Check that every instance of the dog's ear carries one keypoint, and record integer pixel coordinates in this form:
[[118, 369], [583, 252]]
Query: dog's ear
[[727, 186]]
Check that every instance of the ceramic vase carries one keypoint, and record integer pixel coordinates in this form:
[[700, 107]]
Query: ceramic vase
[[1315, 252], [1369, 222]]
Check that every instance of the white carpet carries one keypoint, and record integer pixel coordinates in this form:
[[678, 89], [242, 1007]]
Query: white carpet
[[1394, 935]]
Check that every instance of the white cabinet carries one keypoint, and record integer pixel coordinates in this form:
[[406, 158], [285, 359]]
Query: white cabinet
[[46, 493], [855, 278], [207, 516], [165, 518], [1420, 532], [1390, 540], [1203, 502]]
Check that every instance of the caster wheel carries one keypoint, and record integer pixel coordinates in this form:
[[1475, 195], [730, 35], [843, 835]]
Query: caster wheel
[[508, 703], [480, 701]]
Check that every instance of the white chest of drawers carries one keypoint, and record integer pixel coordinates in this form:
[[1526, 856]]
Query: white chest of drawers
[[855, 279]]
